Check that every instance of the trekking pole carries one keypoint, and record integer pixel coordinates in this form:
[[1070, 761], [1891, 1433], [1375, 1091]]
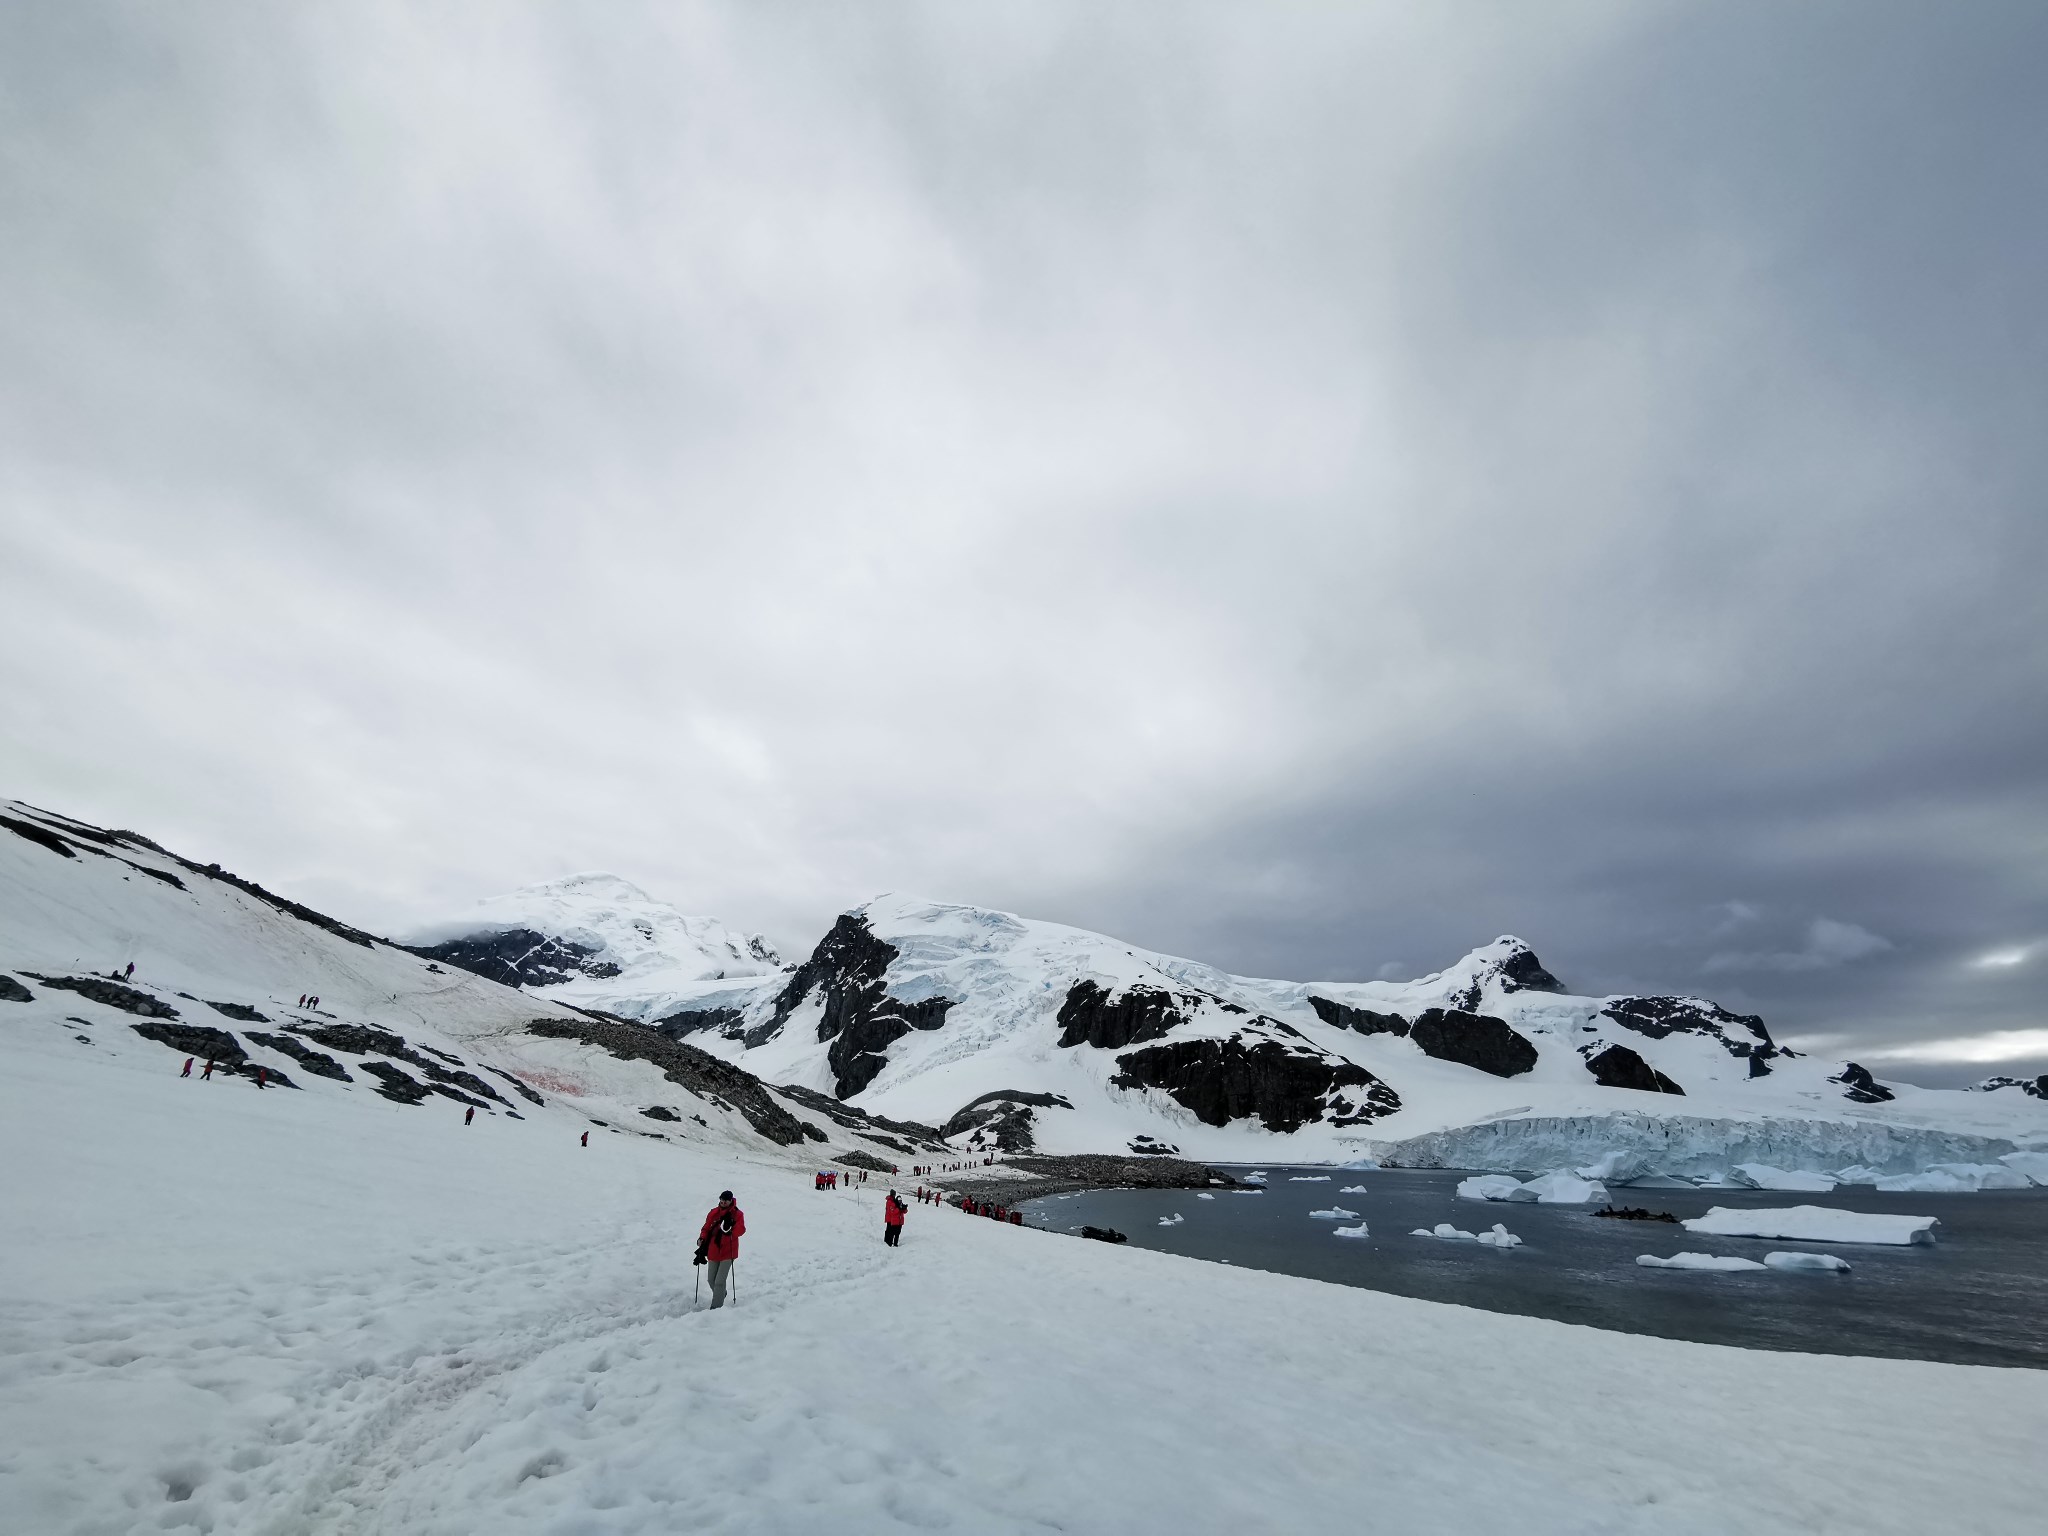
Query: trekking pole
[[697, 1290]]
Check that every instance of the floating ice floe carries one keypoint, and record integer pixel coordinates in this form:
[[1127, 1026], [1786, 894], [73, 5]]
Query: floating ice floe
[[1764, 1176], [1204, 1195], [1955, 1179], [1334, 1213], [1255, 1178], [1308, 1178], [1815, 1224], [1546, 1189], [1499, 1237], [1823, 1261], [1695, 1261], [1357, 1231], [1172, 1221], [1354, 1189]]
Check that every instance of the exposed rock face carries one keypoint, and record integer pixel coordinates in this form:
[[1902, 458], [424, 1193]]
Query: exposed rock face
[[1286, 1087], [1620, 1067], [1739, 1034], [1364, 1020], [859, 1121], [1090, 1016], [518, 1087], [42, 837], [520, 957], [367, 1039], [12, 991], [690, 1021], [1145, 1146], [1474, 1040], [659, 1112], [1859, 1086], [319, 1063], [1517, 969], [112, 993], [2034, 1087], [395, 1085], [866, 1160], [1007, 1117], [196, 1040], [684, 1065], [861, 1019], [239, 1011]]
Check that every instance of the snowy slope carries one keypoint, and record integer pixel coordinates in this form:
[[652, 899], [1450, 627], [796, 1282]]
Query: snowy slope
[[253, 1314], [1081, 1042], [597, 941], [220, 966]]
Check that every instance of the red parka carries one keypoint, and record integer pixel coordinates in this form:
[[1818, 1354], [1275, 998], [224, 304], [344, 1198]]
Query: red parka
[[720, 1245], [893, 1212]]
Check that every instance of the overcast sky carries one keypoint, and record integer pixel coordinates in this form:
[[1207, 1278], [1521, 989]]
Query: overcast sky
[[1310, 488]]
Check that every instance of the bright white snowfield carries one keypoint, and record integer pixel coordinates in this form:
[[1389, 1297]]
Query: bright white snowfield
[[235, 1311]]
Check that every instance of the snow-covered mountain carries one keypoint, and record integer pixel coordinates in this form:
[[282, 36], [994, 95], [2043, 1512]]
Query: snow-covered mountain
[[597, 941], [1016, 1032], [140, 955]]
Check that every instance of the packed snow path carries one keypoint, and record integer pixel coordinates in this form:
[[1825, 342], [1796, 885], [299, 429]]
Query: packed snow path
[[241, 1312]]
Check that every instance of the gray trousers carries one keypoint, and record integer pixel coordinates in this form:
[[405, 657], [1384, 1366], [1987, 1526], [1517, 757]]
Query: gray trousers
[[717, 1271]]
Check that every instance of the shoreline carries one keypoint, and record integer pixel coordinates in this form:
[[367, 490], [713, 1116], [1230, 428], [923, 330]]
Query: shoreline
[[1046, 1175]]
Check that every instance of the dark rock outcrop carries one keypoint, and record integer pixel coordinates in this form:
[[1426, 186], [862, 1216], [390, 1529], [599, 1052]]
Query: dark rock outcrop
[[1284, 1086], [690, 1021], [1474, 1040], [319, 1063], [1091, 1015], [196, 1040], [1364, 1020], [240, 1012], [1739, 1034], [112, 993], [687, 1067], [368, 1039], [866, 1160], [2034, 1087], [519, 957], [518, 1087], [395, 1085], [1518, 970], [1859, 1086], [859, 1121], [1145, 1146], [861, 1019], [1620, 1067], [1007, 1118], [42, 837], [660, 1112], [12, 991]]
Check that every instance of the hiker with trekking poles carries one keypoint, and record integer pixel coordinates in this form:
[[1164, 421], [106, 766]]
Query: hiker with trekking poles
[[718, 1244]]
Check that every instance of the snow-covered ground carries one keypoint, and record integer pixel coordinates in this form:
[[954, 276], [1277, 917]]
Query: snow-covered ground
[[231, 1311]]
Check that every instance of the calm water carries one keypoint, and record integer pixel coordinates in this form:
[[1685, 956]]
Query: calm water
[[1978, 1296]]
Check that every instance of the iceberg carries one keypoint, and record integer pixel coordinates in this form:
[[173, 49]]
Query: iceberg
[[1822, 1261], [1354, 1189], [1357, 1231], [1204, 1195], [1499, 1237], [1764, 1176], [2033, 1164], [1715, 1261], [1334, 1213], [1561, 1189], [1308, 1178], [1815, 1224], [1172, 1221], [1489, 1186]]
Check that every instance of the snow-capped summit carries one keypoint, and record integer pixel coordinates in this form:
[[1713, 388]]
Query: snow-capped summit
[[1491, 971], [598, 941]]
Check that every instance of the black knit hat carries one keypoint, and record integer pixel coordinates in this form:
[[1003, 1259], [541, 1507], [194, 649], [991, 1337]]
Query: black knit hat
[[725, 1194]]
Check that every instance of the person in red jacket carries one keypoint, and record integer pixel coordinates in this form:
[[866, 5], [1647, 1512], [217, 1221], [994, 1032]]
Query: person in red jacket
[[893, 1212], [718, 1244]]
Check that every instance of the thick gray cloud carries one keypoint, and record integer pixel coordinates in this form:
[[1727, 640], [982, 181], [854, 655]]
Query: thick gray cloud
[[1309, 490]]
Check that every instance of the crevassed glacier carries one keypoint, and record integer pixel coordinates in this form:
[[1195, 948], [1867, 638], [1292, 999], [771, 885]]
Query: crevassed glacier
[[1628, 1146]]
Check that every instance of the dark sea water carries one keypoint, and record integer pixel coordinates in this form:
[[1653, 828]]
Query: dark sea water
[[1978, 1296]]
